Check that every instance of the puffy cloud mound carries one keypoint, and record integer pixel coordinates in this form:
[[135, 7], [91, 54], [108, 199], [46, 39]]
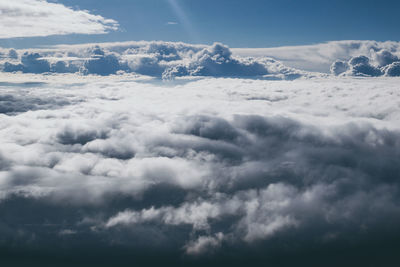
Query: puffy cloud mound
[[383, 63], [30, 63], [385, 58], [45, 18], [360, 66], [339, 66], [102, 63], [217, 61], [210, 171], [157, 59], [12, 53], [393, 69], [63, 67]]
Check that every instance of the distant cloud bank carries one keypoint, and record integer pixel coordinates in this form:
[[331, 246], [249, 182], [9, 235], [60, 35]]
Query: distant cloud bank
[[168, 60], [157, 59]]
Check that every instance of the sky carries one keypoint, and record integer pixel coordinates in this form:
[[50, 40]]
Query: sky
[[237, 23]]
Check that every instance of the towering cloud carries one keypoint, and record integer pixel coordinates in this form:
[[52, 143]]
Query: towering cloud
[[382, 63]]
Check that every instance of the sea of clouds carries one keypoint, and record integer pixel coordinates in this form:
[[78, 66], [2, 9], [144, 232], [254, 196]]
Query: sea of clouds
[[201, 170]]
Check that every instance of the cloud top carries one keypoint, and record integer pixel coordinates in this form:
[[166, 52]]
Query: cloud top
[[381, 63], [165, 60]]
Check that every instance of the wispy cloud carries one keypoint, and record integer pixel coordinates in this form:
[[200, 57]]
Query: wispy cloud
[[33, 18]]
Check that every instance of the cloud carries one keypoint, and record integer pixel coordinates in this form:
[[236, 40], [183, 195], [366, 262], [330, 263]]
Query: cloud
[[338, 67], [383, 63], [319, 57], [102, 63], [385, 57], [219, 169], [156, 59], [360, 66], [30, 18], [13, 104], [217, 61], [12, 53], [393, 69], [204, 244]]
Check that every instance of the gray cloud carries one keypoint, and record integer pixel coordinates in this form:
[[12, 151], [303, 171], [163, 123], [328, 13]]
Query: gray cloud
[[393, 69], [214, 171]]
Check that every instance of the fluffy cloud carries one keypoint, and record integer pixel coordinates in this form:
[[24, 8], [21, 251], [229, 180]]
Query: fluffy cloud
[[208, 169], [319, 57], [338, 67], [393, 69], [156, 59], [217, 61], [101, 63], [385, 57], [383, 63], [28, 18]]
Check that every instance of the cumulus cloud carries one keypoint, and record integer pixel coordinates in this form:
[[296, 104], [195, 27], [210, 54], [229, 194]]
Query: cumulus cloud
[[385, 57], [382, 63], [102, 63], [319, 57], [12, 53], [29, 18], [156, 59], [217, 61], [208, 169], [360, 66], [339, 66], [393, 69]]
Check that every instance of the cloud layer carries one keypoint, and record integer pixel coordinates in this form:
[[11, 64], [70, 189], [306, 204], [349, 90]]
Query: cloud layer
[[216, 171], [168, 60], [30, 18], [157, 59]]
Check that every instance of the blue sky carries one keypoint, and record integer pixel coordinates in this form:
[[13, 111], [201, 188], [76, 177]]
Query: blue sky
[[238, 23]]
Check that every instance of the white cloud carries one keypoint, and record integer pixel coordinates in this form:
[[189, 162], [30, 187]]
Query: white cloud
[[201, 167], [165, 60], [30, 18], [382, 63], [319, 57]]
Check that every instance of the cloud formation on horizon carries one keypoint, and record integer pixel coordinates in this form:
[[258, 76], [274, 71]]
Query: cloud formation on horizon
[[383, 62], [319, 57], [165, 60]]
